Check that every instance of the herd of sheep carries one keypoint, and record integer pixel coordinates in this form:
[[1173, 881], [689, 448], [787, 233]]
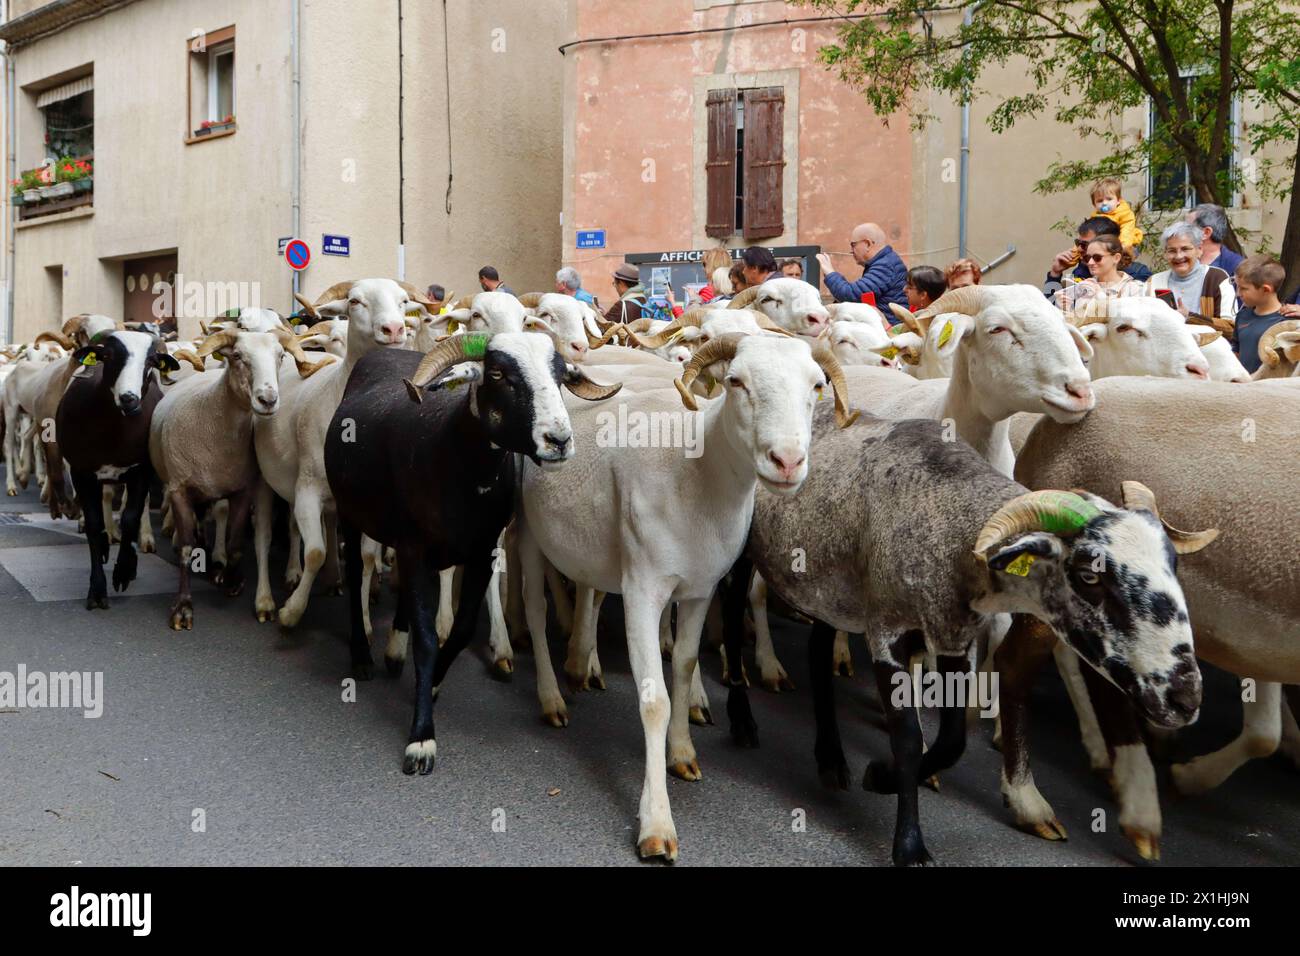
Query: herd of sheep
[[991, 484]]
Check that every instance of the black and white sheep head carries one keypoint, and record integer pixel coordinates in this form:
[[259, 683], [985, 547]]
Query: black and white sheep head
[[376, 310], [253, 361], [1017, 353], [771, 386], [1142, 336], [793, 304], [130, 361], [1105, 580], [515, 380]]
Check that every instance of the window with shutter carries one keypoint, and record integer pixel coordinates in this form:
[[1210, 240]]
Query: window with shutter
[[763, 156], [720, 167]]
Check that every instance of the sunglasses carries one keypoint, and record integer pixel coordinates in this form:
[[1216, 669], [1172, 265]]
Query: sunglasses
[[1095, 257]]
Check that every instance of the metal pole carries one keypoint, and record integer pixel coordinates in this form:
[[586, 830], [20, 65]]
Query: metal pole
[[294, 43], [11, 166], [963, 181]]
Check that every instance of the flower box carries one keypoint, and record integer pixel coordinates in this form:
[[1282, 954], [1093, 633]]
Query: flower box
[[58, 190], [84, 185], [31, 196], [17, 199]]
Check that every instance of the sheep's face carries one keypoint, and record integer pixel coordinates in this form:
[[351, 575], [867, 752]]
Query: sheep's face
[[771, 385], [1144, 337], [259, 320], [253, 363], [1109, 592], [42, 353], [1020, 357], [129, 360], [1224, 364], [376, 313], [859, 343], [794, 305], [561, 317], [335, 341]]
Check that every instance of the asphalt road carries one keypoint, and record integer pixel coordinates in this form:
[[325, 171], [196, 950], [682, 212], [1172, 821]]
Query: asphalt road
[[247, 723]]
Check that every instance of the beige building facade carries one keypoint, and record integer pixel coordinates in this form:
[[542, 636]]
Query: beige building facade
[[195, 168]]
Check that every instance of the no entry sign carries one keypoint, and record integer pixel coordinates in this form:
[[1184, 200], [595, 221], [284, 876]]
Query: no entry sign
[[297, 255]]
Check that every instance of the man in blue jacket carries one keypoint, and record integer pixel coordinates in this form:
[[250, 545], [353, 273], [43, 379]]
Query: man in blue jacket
[[883, 272]]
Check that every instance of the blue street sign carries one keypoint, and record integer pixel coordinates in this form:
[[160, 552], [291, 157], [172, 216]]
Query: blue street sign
[[335, 245], [297, 254], [591, 238]]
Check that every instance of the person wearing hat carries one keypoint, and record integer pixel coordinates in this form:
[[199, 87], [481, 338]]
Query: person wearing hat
[[629, 293]]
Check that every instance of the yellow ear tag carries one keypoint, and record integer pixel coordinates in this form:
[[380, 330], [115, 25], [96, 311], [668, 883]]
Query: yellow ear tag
[[90, 359], [676, 336], [890, 353], [452, 326], [1021, 565], [946, 334]]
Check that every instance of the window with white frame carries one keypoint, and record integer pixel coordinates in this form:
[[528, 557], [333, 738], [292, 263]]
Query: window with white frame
[[221, 83]]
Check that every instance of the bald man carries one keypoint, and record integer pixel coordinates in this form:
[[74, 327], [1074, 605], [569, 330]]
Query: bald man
[[883, 272]]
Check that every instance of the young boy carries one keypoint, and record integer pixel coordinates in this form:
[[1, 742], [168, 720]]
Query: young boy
[[1258, 279], [924, 285], [1108, 201]]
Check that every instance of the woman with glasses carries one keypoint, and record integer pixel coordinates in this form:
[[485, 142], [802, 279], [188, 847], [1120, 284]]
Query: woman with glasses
[[1197, 289], [1105, 259]]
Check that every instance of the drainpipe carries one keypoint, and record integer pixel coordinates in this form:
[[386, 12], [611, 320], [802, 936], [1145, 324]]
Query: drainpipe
[[401, 152], [11, 173], [963, 199], [294, 42]]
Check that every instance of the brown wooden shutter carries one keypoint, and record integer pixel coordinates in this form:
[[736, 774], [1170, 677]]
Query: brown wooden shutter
[[764, 162], [720, 167]]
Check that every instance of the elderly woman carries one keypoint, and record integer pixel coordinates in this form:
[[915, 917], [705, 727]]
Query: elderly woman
[[1104, 256], [1197, 288], [962, 272]]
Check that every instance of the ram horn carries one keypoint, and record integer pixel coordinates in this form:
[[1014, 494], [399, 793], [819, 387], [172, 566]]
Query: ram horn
[[57, 337], [907, 318], [721, 349], [609, 333], [530, 300], [577, 382], [694, 317], [1205, 338], [470, 347], [741, 300], [1058, 512], [306, 367], [767, 325], [185, 355], [1268, 341], [324, 327], [416, 294], [823, 356], [968, 300], [217, 340], [1138, 497], [464, 302]]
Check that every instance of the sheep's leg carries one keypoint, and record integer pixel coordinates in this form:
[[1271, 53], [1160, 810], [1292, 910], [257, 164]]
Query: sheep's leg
[[906, 746], [416, 594], [698, 709], [147, 544], [582, 644], [560, 595], [49, 472], [87, 486], [135, 504], [307, 514], [713, 624], [107, 493], [1024, 651], [182, 612], [682, 760], [221, 523], [264, 603], [832, 768], [841, 658], [363, 664], [1132, 777], [333, 573], [293, 566], [735, 588], [515, 622], [168, 524], [503, 655], [643, 604], [1071, 670], [666, 633], [400, 633], [446, 612], [773, 674], [232, 576], [370, 550], [532, 565], [28, 459], [475, 578], [1261, 730], [1290, 745], [12, 448]]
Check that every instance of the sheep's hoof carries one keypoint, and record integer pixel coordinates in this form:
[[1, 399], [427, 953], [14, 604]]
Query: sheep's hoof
[[265, 617], [686, 770], [778, 683], [393, 665], [96, 602], [653, 847], [835, 776], [12, 492], [843, 669], [148, 547], [419, 757], [125, 568], [932, 782], [363, 670], [289, 618], [1146, 844], [114, 537], [502, 669], [182, 618], [558, 718], [912, 853], [334, 590], [700, 716], [1052, 829]]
